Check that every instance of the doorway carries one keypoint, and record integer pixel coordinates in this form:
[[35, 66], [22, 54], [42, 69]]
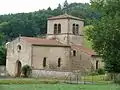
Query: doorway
[[18, 68]]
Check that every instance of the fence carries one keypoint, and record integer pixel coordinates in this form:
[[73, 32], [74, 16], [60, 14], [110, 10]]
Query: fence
[[86, 78]]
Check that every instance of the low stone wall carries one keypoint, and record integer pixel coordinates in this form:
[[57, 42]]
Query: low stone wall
[[55, 74]]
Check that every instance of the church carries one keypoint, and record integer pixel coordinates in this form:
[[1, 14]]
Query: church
[[61, 52]]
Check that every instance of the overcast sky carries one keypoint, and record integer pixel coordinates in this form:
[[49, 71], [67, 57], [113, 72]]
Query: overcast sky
[[16, 6]]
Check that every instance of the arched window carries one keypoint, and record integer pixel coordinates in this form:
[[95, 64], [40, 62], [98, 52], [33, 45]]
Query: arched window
[[74, 53], [59, 28], [77, 29], [74, 29], [55, 28], [59, 62], [44, 62], [19, 48]]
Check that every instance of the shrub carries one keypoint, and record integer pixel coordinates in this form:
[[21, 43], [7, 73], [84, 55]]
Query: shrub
[[100, 71], [26, 70], [93, 73], [117, 78]]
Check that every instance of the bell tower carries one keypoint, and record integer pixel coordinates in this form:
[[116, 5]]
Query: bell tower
[[65, 28]]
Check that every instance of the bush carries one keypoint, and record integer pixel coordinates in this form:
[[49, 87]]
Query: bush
[[26, 70], [93, 73], [100, 71], [117, 78]]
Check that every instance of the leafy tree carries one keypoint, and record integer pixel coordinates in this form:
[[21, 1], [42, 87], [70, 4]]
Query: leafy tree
[[66, 4], [49, 8], [59, 6], [2, 55], [105, 33], [2, 51]]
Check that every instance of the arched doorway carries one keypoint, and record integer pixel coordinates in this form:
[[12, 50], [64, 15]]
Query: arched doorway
[[18, 68]]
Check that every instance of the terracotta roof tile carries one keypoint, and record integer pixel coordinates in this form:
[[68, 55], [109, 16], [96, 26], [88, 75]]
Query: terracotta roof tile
[[64, 16], [83, 49], [40, 41]]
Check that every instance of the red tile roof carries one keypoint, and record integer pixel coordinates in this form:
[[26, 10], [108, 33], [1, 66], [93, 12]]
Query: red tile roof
[[53, 42], [40, 41], [83, 49]]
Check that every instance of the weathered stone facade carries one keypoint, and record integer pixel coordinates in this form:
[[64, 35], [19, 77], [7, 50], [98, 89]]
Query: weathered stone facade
[[61, 51]]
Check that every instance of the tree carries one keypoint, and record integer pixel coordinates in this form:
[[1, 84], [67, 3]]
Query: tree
[[66, 4], [59, 7], [49, 8], [2, 51], [65, 7], [105, 33], [2, 55]]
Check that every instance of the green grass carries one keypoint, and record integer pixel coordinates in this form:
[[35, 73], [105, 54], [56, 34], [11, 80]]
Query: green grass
[[58, 87], [52, 84]]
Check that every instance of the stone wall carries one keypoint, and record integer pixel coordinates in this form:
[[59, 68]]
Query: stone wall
[[52, 54], [54, 74], [84, 62]]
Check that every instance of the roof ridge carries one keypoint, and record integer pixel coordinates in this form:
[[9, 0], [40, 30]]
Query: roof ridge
[[41, 41], [64, 16]]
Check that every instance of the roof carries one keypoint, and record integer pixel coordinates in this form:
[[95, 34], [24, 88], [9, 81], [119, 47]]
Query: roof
[[40, 41], [65, 16], [90, 52]]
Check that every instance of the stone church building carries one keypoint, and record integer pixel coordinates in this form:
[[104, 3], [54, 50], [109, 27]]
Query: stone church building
[[61, 52]]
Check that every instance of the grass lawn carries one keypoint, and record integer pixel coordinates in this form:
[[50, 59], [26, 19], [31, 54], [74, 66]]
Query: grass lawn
[[53, 84], [58, 87]]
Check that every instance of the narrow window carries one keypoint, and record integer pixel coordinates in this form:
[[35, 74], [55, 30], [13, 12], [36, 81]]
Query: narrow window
[[80, 57], [74, 29], [55, 28], [77, 29], [97, 63], [44, 62], [74, 53], [59, 62], [59, 28], [19, 48]]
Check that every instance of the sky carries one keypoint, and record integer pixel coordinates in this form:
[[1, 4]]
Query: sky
[[17, 6]]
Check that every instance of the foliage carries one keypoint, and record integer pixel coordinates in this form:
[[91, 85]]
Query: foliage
[[2, 55], [117, 80], [2, 50], [105, 33], [100, 71], [26, 70]]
